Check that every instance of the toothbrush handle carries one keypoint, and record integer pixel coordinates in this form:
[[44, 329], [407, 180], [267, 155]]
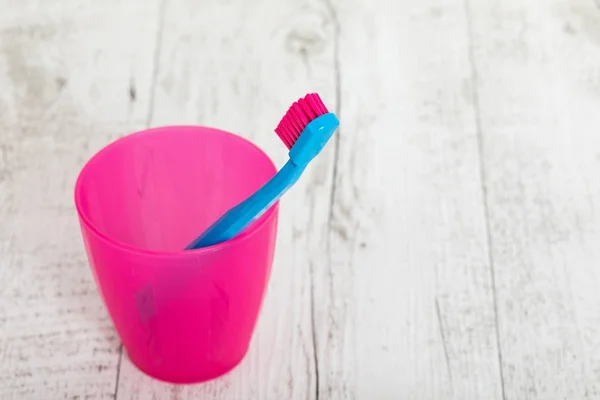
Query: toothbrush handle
[[240, 216]]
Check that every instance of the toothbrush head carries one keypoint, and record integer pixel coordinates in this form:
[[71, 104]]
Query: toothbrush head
[[298, 116], [306, 128]]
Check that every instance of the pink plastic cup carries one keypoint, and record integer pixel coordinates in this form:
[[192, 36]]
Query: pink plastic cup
[[183, 316]]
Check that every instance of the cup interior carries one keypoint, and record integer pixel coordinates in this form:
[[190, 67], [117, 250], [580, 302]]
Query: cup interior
[[158, 189]]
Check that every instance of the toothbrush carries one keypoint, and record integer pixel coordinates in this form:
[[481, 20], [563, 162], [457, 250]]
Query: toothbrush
[[305, 130]]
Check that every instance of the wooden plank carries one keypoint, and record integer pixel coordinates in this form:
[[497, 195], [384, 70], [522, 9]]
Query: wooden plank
[[405, 308], [67, 72], [539, 87], [238, 65]]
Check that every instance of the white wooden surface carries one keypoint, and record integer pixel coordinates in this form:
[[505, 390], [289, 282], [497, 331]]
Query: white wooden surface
[[444, 246]]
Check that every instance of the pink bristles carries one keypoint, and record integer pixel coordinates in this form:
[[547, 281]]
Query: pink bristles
[[300, 114]]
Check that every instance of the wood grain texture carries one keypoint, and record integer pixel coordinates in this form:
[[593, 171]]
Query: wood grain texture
[[538, 75], [66, 73], [239, 65], [405, 307], [443, 247]]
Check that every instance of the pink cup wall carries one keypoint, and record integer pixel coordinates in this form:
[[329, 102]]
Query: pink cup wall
[[183, 316]]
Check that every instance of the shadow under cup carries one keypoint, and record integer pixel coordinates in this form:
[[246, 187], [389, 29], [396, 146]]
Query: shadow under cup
[[183, 316]]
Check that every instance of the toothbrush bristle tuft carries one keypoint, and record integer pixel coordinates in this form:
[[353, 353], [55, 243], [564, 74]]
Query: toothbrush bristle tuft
[[300, 114]]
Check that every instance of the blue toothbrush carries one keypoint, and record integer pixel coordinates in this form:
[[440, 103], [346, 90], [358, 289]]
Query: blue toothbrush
[[305, 130]]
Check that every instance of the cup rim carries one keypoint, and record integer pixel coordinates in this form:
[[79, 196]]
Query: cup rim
[[256, 226]]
